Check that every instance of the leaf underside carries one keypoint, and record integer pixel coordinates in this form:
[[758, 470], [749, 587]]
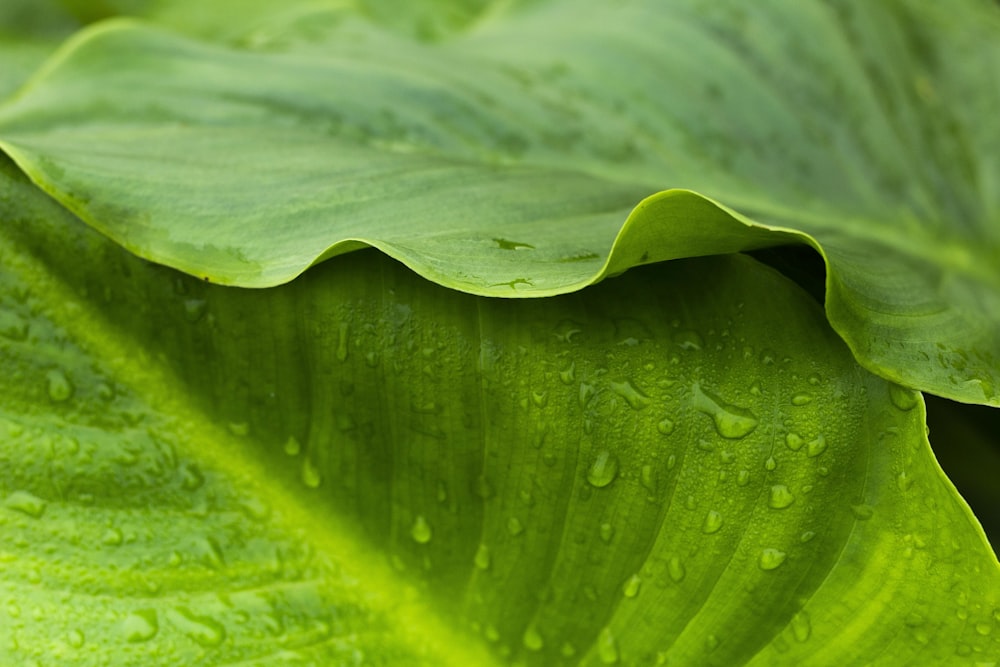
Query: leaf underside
[[535, 149], [682, 465]]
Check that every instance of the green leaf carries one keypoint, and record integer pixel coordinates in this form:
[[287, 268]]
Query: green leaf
[[504, 156], [681, 464]]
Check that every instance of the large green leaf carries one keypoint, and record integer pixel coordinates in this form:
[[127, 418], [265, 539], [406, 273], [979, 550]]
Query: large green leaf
[[505, 158], [683, 465]]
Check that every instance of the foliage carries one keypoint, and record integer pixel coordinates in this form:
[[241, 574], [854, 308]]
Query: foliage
[[628, 461]]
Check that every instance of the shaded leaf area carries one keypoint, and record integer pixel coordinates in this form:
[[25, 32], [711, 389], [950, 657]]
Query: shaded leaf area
[[501, 151], [682, 465]]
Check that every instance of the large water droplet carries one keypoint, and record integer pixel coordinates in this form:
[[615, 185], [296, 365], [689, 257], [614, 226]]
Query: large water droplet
[[816, 446], [310, 474], [568, 374], [794, 441], [59, 387], [26, 503], [201, 629], [607, 647], [781, 497], [532, 639], [603, 470], [482, 557], [140, 626], [665, 426], [632, 586], [862, 512], [771, 559], [801, 627], [676, 569], [802, 399], [635, 397], [648, 478], [421, 530], [731, 421], [342, 348], [903, 399], [712, 523]]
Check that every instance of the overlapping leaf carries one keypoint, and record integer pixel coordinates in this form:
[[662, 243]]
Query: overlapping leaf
[[504, 156], [680, 465]]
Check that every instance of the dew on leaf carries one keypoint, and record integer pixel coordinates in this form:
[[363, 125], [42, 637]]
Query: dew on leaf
[[342, 348], [801, 626], [292, 446], [904, 399], [816, 446], [780, 497], [420, 531], [802, 399], [26, 503], [676, 569], [140, 626], [603, 470], [862, 512], [59, 387], [310, 474], [607, 647], [75, 638], [770, 464], [648, 478], [514, 526], [532, 639], [771, 559], [202, 630], [482, 557], [712, 523], [731, 421], [607, 531], [688, 340], [635, 397], [665, 426], [632, 586], [794, 441]]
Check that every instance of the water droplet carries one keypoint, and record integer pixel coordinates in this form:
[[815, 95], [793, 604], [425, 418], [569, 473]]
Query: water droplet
[[532, 639], [770, 464], [730, 421], [603, 470], [665, 426], [904, 399], [26, 503], [711, 643], [802, 399], [421, 530], [75, 638], [781, 497], [140, 626], [345, 331], [239, 429], [310, 474], [816, 446], [771, 559], [743, 477], [862, 512], [587, 392], [688, 340], [482, 557], [442, 492], [112, 537], [568, 374], [671, 462], [712, 523], [676, 570], [984, 629], [607, 647], [491, 632], [514, 526], [807, 536], [632, 586], [794, 441], [634, 396], [904, 481], [539, 398], [648, 478], [801, 627], [292, 446], [59, 387], [607, 532], [201, 629], [194, 309], [567, 650]]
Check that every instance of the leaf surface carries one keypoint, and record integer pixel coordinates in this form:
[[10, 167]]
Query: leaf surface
[[362, 467], [519, 150]]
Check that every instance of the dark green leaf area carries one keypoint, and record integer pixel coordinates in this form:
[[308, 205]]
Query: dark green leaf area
[[682, 465]]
